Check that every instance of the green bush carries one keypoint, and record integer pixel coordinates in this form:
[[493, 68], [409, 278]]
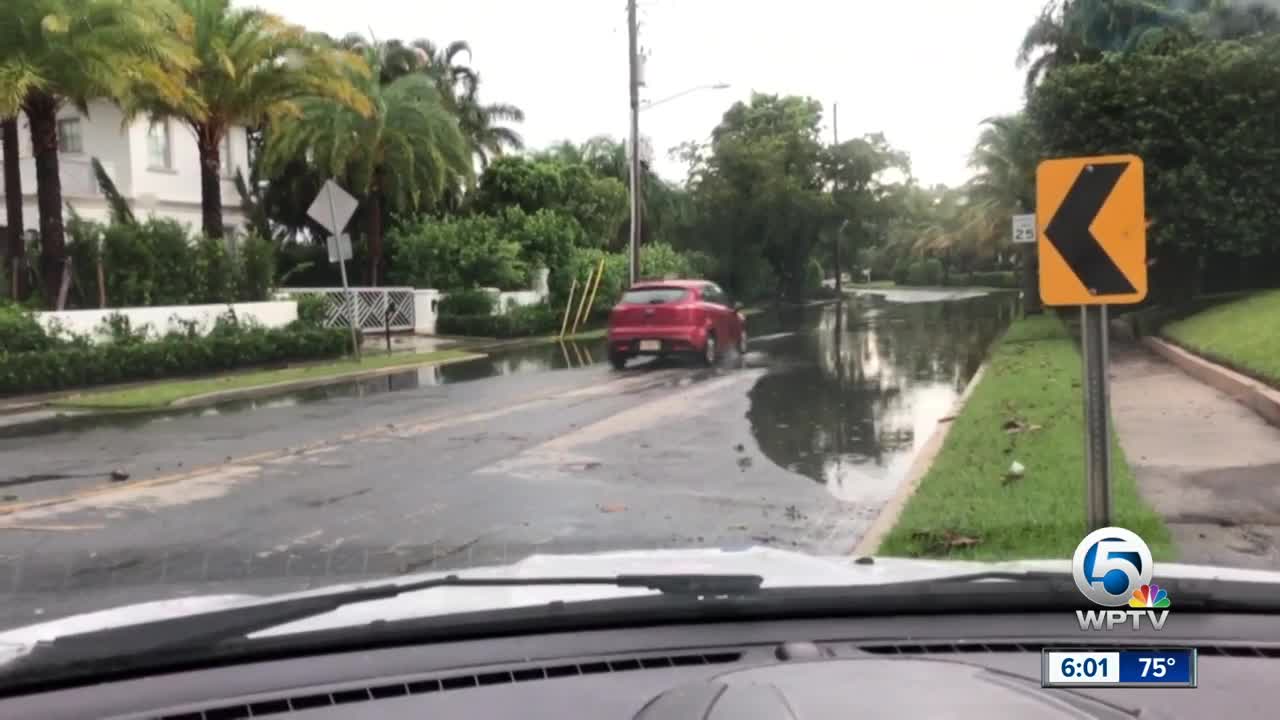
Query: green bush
[[312, 308], [546, 238], [659, 260], [813, 275], [257, 269], [215, 271], [20, 332], [583, 264], [456, 253], [901, 270], [995, 279], [522, 321], [916, 274], [959, 279], [175, 354], [468, 302], [932, 271]]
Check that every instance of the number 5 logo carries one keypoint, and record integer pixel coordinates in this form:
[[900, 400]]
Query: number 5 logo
[[1109, 564]]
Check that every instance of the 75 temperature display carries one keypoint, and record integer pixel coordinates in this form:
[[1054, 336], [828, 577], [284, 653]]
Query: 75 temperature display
[[1123, 667]]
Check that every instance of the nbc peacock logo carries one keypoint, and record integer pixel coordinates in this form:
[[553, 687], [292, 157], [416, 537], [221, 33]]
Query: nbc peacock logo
[[1149, 596]]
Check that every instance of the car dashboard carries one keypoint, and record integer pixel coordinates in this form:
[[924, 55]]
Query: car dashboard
[[910, 666]]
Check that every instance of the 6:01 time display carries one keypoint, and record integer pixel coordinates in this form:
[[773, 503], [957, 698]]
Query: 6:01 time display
[[1088, 667]]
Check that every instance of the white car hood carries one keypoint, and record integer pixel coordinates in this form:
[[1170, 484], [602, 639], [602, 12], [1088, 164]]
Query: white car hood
[[779, 568]]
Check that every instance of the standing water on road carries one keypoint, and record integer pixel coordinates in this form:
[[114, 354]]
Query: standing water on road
[[851, 396]]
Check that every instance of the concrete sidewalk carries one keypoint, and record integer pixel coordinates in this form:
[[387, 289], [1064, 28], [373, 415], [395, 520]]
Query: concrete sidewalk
[[1207, 463]]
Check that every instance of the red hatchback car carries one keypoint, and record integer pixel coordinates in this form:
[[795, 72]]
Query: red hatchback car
[[675, 317]]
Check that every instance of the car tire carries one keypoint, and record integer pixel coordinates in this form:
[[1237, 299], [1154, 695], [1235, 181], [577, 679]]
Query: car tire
[[618, 361], [710, 350]]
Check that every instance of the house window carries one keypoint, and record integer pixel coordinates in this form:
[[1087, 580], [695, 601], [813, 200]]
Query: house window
[[159, 146], [224, 157], [69, 138]]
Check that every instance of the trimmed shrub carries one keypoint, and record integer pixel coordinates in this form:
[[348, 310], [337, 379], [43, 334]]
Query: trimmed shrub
[[311, 309], [996, 279], [523, 321], [468, 302], [20, 332], [230, 346]]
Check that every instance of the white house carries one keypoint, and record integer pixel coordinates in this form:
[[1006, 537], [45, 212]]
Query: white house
[[156, 166]]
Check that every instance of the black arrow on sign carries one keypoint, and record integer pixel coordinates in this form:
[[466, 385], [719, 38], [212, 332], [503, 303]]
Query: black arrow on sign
[[1069, 230]]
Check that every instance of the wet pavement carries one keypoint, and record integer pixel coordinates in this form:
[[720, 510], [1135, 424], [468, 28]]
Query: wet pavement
[[538, 449]]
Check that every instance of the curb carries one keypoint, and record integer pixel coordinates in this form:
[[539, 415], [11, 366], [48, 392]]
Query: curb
[[888, 517], [262, 391], [257, 391], [1258, 397]]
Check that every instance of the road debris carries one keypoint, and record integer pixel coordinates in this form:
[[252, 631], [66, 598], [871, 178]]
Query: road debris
[[941, 543], [119, 475]]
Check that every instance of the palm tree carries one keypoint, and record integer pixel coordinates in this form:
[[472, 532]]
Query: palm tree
[[251, 68], [1073, 31], [13, 204], [453, 79], [1004, 160], [54, 52], [407, 151], [479, 123]]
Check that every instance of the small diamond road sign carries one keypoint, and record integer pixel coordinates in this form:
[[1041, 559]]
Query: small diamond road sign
[[339, 247], [333, 207]]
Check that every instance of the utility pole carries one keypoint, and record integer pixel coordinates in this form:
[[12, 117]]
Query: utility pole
[[633, 57], [835, 139]]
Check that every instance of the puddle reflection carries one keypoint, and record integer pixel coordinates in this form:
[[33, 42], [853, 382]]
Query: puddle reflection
[[852, 395]]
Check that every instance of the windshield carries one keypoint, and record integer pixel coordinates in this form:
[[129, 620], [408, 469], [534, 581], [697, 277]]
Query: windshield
[[653, 296], [385, 290]]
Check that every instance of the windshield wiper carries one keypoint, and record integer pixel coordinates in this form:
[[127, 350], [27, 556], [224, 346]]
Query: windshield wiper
[[206, 629]]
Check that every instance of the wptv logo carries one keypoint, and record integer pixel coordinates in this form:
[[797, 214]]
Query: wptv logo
[[1112, 568]]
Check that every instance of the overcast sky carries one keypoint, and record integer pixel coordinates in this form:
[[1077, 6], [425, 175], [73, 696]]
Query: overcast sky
[[924, 72]]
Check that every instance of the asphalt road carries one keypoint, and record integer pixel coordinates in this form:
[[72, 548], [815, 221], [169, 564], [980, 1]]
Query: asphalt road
[[540, 450], [442, 477]]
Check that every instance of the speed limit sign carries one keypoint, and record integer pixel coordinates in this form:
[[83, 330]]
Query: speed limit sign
[[1024, 229]]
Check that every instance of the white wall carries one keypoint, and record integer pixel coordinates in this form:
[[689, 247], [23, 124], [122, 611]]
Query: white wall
[[164, 318], [426, 308]]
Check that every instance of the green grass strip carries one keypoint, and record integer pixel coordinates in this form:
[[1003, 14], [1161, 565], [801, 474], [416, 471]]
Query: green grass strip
[[967, 506], [1244, 334], [162, 393]]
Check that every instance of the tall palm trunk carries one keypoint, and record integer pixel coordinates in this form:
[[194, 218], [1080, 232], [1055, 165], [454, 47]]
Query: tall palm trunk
[[373, 224], [208, 141], [42, 114], [13, 204]]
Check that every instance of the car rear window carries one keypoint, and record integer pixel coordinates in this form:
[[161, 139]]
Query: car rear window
[[653, 296]]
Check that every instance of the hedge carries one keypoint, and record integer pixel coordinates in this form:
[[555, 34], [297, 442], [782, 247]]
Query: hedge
[[524, 321], [175, 354], [996, 279]]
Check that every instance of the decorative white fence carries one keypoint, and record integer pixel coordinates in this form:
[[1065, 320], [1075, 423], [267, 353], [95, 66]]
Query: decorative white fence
[[372, 306]]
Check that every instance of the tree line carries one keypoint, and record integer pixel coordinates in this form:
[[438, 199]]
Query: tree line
[[768, 205]]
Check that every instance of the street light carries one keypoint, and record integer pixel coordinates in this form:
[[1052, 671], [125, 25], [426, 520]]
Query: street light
[[634, 169], [653, 103]]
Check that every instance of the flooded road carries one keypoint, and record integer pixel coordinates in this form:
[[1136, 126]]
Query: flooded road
[[541, 449], [850, 396]]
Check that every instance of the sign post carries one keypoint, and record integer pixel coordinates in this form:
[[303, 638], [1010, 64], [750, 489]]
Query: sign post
[[1092, 242], [1024, 238], [333, 208]]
